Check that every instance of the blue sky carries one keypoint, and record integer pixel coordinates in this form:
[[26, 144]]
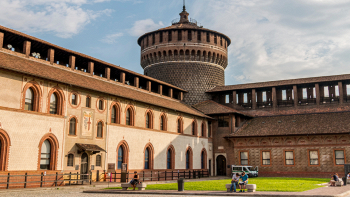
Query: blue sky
[[271, 40]]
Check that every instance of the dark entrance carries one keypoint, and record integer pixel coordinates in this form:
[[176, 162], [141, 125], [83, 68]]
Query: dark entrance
[[209, 167], [221, 165], [84, 166]]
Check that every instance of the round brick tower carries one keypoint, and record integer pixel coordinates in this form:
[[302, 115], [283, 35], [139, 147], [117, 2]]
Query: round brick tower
[[186, 55]]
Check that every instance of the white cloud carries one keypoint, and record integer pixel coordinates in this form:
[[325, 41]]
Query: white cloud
[[273, 40], [143, 26], [111, 38], [63, 17]]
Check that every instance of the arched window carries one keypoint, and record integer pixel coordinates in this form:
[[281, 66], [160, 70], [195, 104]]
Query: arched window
[[70, 160], [194, 127], [171, 157], [53, 104], [98, 160], [29, 100], [204, 130], [204, 159], [189, 158], [120, 157], [100, 104], [99, 129], [72, 126], [88, 102], [5, 144], [74, 99], [45, 155], [147, 158], [114, 116], [149, 120], [129, 119], [179, 125], [163, 123]]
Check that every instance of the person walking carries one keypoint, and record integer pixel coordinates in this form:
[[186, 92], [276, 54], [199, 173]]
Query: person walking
[[234, 182], [244, 182]]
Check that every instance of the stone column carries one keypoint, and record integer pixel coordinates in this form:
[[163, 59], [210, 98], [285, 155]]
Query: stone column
[[72, 62], [136, 82], [149, 86], [91, 68], [122, 77], [108, 73], [274, 97], [253, 99], [160, 89], [1, 40], [341, 93], [26, 48], [295, 91], [234, 99], [318, 95], [170, 92], [51, 55]]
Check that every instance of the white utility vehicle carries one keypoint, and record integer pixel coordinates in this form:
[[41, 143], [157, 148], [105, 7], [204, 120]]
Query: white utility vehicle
[[249, 170]]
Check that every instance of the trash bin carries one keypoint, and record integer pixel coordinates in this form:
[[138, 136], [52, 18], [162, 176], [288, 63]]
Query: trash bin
[[180, 185], [344, 180]]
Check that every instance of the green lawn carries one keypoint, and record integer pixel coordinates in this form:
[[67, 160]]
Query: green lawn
[[262, 183]]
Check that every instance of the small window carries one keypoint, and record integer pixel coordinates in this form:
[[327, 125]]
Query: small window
[[245, 98], [194, 128], [170, 36], [74, 99], [313, 157], [208, 37], [227, 98], [148, 119], [100, 104], [289, 157], [348, 90], [284, 95], [162, 123], [179, 126], [199, 35], [70, 160], [325, 91], [72, 126], [339, 157], [336, 89], [29, 100], [99, 129], [266, 157], [53, 104], [237, 99], [215, 39], [114, 115], [147, 158], [244, 158], [98, 160], [88, 102], [264, 96], [129, 117], [120, 157], [223, 121], [304, 93], [189, 35], [203, 130], [160, 36]]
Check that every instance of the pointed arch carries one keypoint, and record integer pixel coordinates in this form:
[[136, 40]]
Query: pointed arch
[[179, 123], [130, 115], [122, 157], [204, 159], [36, 97], [58, 107], [73, 126], [204, 129], [189, 158], [148, 153], [149, 119], [4, 150], [52, 139], [99, 129], [194, 128], [163, 120], [115, 113], [170, 157]]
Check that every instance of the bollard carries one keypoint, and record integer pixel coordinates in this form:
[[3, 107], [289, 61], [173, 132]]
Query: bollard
[[180, 185]]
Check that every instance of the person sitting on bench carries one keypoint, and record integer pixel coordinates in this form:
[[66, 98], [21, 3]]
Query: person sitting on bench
[[234, 182], [135, 180], [244, 182]]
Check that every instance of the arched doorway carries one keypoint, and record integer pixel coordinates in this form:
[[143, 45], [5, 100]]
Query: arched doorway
[[84, 166], [221, 166]]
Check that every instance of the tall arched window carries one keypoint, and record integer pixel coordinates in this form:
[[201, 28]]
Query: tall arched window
[[147, 158], [179, 125], [204, 130], [163, 123], [88, 102], [53, 104], [99, 130], [72, 126], [149, 120], [194, 128], [98, 160], [129, 119], [29, 100], [204, 159], [170, 158], [100, 104], [5, 144], [74, 99], [114, 115], [120, 157], [189, 158], [70, 160], [45, 155], [168, 161]]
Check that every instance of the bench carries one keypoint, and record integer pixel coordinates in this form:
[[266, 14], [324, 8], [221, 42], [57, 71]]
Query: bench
[[249, 187], [140, 186]]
